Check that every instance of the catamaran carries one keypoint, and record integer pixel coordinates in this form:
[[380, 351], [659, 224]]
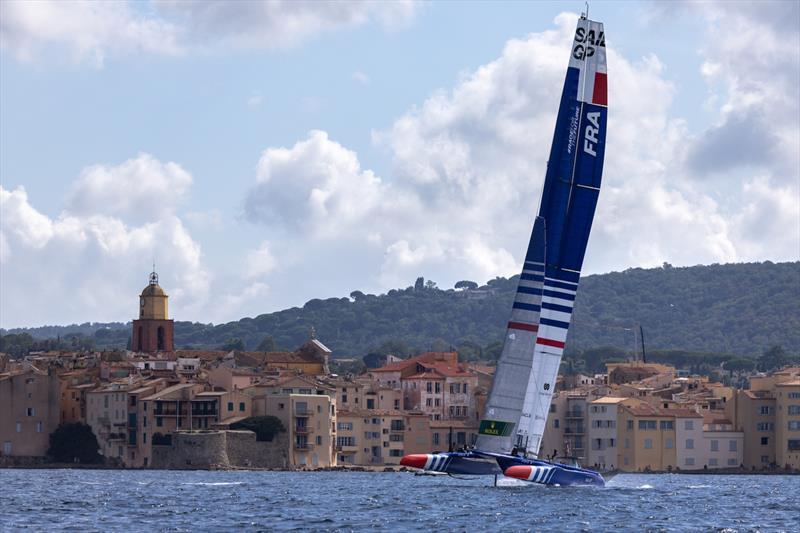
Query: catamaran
[[511, 429]]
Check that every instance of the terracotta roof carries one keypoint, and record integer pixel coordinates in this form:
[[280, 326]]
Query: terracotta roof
[[402, 365], [366, 413], [609, 399], [793, 383]]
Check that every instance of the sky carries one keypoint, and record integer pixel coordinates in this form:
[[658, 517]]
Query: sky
[[266, 153]]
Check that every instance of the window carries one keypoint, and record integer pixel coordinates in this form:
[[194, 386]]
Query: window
[[794, 445], [794, 395], [794, 409], [765, 441], [648, 444], [428, 402], [764, 410], [38, 427], [19, 427], [144, 438], [794, 425], [689, 461], [597, 444], [647, 424], [731, 462], [435, 439], [688, 425], [428, 386], [668, 444], [630, 424], [280, 407], [712, 461], [612, 442], [667, 424], [765, 459], [396, 437], [346, 426], [31, 411], [464, 388], [436, 402], [241, 406], [230, 406], [690, 444], [714, 445], [555, 423], [552, 408], [159, 421], [397, 425], [627, 442], [370, 403], [345, 441], [344, 398], [376, 420], [319, 440], [438, 387], [765, 426], [732, 446], [397, 404]]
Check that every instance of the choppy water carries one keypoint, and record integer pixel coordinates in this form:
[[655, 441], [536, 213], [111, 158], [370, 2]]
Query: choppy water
[[115, 500]]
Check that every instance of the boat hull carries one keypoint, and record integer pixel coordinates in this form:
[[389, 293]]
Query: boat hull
[[477, 463]]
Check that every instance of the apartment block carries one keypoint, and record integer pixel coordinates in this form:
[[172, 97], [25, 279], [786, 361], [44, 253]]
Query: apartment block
[[310, 420], [602, 436], [29, 413], [787, 423]]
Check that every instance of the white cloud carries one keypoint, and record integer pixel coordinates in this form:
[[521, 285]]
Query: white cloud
[[90, 31], [75, 266], [468, 166], [255, 100], [140, 189], [259, 262], [87, 31]]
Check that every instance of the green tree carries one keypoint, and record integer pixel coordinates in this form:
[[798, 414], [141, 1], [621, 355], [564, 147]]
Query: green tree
[[419, 285], [265, 427], [74, 442], [233, 343], [267, 345], [465, 285], [774, 357]]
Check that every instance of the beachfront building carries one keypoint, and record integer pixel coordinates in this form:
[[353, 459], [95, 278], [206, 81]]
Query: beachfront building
[[310, 420], [375, 437], [29, 412], [787, 423], [602, 436]]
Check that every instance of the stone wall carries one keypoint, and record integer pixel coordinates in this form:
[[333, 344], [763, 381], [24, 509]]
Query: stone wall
[[221, 450]]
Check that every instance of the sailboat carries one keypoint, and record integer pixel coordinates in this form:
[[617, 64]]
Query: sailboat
[[511, 429]]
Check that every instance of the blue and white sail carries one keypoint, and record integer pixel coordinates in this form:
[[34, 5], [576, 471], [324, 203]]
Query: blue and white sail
[[569, 198], [518, 404]]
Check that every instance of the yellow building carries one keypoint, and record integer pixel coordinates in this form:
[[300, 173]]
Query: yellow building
[[374, 437], [29, 412], [645, 439], [787, 423], [753, 413], [310, 420]]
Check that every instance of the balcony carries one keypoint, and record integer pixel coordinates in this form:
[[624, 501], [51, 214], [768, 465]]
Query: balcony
[[302, 411], [302, 430], [303, 446], [575, 413], [574, 431]]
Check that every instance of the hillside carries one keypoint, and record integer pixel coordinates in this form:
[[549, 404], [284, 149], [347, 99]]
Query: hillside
[[736, 308]]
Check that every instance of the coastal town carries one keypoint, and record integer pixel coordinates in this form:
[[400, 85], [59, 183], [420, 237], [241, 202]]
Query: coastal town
[[155, 406]]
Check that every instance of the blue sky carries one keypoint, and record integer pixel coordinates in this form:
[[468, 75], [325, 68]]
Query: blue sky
[[182, 131]]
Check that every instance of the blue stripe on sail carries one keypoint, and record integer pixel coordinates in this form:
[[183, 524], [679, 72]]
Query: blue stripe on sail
[[556, 307], [530, 265], [554, 323], [561, 285], [565, 275], [524, 306], [560, 295], [529, 290], [531, 277]]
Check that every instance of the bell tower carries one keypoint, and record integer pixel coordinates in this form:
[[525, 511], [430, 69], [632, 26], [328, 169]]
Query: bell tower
[[153, 330]]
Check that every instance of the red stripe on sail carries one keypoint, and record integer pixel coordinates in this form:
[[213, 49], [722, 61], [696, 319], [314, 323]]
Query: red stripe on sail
[[526, 327], [550, 342], [600, 94]]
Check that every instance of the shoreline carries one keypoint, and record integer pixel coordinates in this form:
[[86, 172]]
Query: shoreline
[[373, 469]]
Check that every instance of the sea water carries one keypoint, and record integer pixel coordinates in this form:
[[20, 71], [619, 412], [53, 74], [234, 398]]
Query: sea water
[[120, 500]]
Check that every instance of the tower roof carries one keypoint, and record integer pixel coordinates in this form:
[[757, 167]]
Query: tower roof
[[153, 288]]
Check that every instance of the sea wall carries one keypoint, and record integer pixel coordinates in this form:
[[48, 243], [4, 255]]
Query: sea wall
[[221, 450]]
